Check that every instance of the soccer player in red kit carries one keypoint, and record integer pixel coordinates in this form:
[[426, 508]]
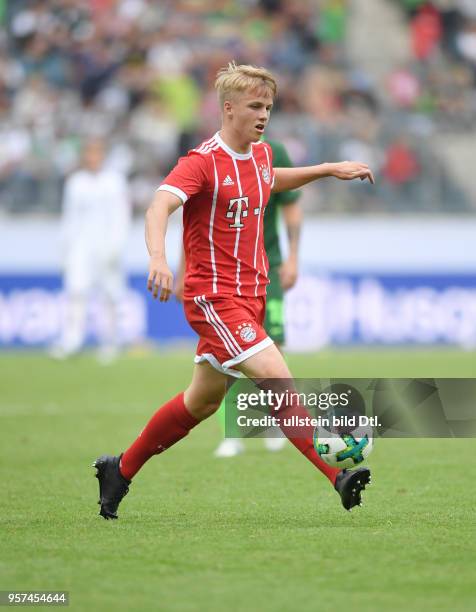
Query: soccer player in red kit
[[223, 186]]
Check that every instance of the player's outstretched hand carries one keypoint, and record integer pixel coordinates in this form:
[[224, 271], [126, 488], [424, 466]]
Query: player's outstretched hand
[[348, 171], [160, 279]]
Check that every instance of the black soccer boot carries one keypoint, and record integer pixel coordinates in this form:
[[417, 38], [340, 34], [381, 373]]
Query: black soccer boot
[[349, 484], [112, 485]]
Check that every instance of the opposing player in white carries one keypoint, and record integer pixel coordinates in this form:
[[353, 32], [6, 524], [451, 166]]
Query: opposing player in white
[[95, 225]]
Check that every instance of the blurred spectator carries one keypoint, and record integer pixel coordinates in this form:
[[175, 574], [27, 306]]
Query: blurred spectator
[[401, 165], [426, 32], [466, 42], [95, 223], [140, 74], [155, 132], [404, 87]]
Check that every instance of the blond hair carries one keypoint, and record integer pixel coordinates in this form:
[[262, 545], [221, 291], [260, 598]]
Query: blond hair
[[241, 78]]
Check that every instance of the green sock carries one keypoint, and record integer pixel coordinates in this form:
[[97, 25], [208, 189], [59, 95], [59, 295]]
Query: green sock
[[221, 416]]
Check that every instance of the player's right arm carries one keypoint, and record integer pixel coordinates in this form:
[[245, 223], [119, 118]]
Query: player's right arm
[[187, 179], [287, 179], [156, 221]]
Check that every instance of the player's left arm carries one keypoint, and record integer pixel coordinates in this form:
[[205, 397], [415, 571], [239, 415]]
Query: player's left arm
[[288, 272], [286, 179]]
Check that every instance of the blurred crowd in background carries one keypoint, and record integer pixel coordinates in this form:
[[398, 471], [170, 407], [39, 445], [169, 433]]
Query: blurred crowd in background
[[141, 72]]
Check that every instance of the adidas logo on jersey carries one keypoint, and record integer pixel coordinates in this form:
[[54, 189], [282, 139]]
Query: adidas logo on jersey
[[228, 180]]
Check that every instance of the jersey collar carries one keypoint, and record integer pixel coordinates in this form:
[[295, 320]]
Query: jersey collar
[[230, 151]]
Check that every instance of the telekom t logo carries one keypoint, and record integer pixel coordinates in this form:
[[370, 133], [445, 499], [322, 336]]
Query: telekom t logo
[[238, 209]]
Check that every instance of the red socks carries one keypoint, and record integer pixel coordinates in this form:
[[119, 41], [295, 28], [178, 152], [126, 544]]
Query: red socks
[[303, 440], [172, 422], [167, 426], [306, 447]]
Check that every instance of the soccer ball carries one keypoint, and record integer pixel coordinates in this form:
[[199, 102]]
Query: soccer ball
[[344, 450]]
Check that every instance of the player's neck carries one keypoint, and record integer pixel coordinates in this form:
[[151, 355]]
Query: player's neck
[[235, 141]]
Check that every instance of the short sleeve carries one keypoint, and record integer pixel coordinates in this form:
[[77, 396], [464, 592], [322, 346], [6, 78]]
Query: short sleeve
[[188, 178]]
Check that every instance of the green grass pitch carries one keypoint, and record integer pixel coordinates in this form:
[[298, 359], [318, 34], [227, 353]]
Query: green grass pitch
[[258, 532]]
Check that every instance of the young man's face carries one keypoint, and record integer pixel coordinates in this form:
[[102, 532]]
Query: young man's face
[[249, 112]]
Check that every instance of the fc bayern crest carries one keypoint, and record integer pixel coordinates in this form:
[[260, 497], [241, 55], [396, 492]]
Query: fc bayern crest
[[265, 173], [247, 332]]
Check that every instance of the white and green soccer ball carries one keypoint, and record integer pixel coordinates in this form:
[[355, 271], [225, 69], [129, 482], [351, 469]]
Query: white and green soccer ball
[[344, 450]]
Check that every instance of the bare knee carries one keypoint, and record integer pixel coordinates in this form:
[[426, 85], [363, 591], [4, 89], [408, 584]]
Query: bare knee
[[201, 407], [206, 391]]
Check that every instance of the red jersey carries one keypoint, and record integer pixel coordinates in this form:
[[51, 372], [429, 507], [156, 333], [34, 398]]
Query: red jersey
[[224, 195]]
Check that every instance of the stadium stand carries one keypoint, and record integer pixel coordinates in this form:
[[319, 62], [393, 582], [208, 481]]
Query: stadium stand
[[141, 73]]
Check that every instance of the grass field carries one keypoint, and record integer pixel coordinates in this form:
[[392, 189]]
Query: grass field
[[259, 532]]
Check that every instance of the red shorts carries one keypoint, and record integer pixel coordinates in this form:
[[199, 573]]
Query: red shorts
[[230, 329]]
